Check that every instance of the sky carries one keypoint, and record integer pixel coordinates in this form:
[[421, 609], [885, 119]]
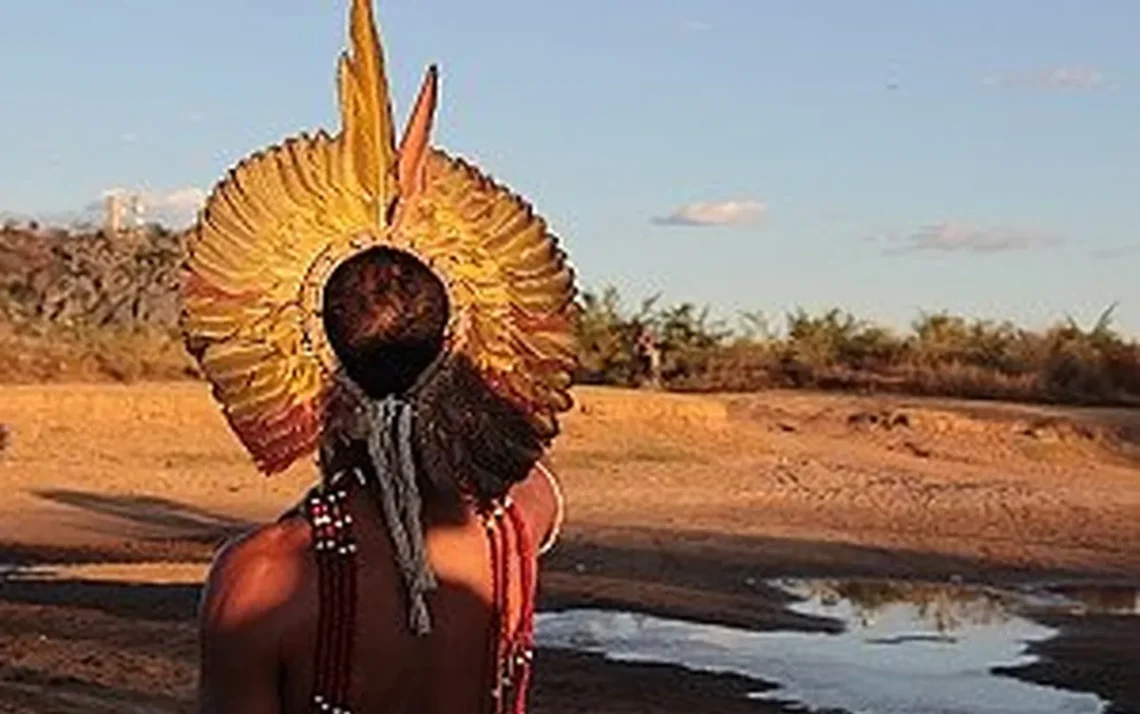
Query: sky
[[888, 158]]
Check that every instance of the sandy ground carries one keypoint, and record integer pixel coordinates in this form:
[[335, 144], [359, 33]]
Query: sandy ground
[[679, 505]]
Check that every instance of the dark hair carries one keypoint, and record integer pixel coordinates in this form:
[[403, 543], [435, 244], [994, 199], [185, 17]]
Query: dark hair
[[385, 314], [468, 438]]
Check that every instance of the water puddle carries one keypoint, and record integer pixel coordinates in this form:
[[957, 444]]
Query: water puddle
[[1097, 600], [906, 647]]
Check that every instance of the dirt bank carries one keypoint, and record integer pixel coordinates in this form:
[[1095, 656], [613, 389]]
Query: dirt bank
[[679, 506], [105, 647]]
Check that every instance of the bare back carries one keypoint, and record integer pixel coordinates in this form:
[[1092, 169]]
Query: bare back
[[260, 615]]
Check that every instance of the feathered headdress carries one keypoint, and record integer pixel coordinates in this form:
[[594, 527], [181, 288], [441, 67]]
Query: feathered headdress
[[283, 219]]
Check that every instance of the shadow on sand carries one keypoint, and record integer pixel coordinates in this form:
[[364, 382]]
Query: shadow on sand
[[693, 575], [169, 518], [145, 602], [31, 690], [96, 648]]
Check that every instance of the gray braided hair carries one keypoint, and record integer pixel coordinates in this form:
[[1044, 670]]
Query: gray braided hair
[[390, 423], [449, 432]]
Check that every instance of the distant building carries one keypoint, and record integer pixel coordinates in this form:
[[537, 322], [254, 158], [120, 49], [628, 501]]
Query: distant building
[[138, 209], [123, 212], [113, 214]]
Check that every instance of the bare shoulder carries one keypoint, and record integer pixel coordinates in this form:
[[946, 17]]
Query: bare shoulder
[[255, 577], [254, 592]]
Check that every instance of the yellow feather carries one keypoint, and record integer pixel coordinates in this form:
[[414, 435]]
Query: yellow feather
[[279, 221], [366, 113]]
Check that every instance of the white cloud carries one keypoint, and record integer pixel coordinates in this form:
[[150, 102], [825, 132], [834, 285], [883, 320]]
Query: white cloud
[[129, 138], [961, 237], [722, 213], [177, 208], [1065, 77], [1073, 78]]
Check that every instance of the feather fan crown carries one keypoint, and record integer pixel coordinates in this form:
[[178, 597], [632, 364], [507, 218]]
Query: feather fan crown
[[273, 230]]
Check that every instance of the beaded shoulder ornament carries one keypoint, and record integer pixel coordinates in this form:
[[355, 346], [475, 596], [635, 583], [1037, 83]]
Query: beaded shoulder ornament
[[511, 644]]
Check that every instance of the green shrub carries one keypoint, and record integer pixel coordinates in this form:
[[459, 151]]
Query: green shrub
[[89, 306], [943, 354]]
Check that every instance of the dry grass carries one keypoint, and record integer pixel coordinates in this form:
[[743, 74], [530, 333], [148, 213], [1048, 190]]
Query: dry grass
[[58, 355], [87, 307], [675, 504], [941, 354]]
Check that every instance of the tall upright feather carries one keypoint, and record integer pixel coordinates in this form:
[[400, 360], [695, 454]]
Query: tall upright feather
[[417, 137], [368, 139]]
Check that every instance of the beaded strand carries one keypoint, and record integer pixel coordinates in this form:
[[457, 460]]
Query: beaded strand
[[335, 549], [512, 652], [510, 649]]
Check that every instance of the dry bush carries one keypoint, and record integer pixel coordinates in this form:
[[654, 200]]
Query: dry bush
[[88, 306], [943, 355], [52, 355]]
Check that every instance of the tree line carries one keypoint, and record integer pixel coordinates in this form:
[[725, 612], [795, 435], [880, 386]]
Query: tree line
[[940, 354], [86, 306]]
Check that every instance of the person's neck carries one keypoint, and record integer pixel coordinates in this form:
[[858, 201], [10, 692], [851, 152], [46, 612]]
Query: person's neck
[[347, 460]]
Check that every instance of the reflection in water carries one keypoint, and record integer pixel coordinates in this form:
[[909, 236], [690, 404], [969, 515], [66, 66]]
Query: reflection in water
[[908, 647], [948, 606], [1100, 599], [945, 607]]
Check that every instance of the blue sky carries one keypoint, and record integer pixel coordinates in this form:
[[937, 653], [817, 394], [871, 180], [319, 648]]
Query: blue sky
[[885, 157]]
